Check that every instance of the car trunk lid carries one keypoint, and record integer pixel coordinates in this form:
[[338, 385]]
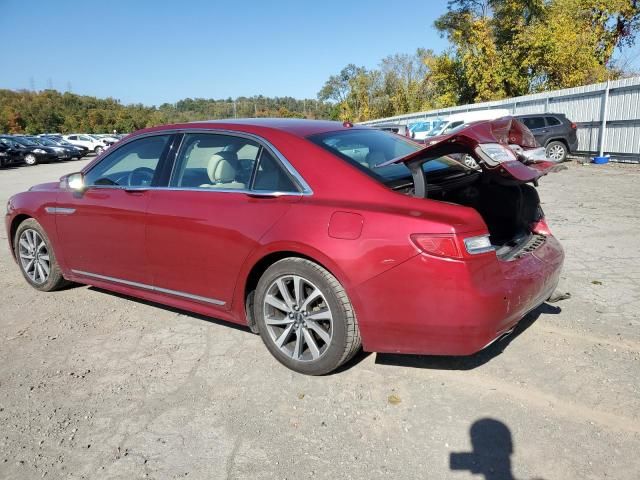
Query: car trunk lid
[[504, 148]]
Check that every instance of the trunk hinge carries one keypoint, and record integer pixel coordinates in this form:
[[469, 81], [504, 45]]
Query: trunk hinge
[[419, 178]]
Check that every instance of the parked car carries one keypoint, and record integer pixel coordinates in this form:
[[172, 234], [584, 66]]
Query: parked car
[[94, 145], [554, 131], [64, 153], [80, 151], [30, 152], [394, 128], [453, 121], [9, 155], [108, 139], [279, 228], [419, 130]]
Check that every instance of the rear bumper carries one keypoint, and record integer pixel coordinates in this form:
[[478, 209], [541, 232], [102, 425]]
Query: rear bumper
[[435, 306]]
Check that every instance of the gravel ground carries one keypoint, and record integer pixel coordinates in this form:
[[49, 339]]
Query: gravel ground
[[96, 385]]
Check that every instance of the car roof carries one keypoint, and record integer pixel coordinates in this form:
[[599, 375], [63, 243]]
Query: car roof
[[548, 114], [295, 126]]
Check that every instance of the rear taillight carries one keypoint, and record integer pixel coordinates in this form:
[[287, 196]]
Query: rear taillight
[[451, 246], [438, 245], [574, 126], [541, 227]]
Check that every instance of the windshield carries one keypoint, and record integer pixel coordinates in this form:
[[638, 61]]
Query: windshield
[[25, 141], [366, 149]]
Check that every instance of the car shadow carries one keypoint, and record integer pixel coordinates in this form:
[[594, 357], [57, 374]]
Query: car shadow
[[472, 361], [492, 447], [168, 308], [357, 358], [401, 360]]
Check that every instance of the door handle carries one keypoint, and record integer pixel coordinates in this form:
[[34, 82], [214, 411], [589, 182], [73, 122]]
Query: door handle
[[135, 189]]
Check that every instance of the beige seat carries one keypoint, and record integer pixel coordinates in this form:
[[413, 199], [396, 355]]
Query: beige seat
[[222, 173]]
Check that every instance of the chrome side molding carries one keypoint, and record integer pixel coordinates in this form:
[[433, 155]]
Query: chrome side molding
[[152, 288]]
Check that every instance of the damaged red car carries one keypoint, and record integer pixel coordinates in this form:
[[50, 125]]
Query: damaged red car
[[323, 237]]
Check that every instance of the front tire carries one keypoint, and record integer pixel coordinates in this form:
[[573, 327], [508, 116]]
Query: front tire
[[305, 318], [30, 159], [35, 256], [98, 150], [556, 151]]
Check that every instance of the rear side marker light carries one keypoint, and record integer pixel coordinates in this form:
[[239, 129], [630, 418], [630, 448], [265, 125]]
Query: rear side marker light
[[479, 244], [438, 245]]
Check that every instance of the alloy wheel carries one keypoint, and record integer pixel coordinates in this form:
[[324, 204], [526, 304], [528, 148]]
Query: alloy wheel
[[34, 256], [469, 161], [556, 153], [30, 159], [298, 318]]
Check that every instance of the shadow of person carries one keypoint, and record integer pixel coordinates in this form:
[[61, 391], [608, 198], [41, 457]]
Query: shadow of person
[[492, 450]]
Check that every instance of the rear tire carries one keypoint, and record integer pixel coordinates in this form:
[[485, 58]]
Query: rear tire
[[556, 151], [36, 259], [305, 318]]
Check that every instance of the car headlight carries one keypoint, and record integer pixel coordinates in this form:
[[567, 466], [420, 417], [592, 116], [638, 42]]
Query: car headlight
[[39, 150]]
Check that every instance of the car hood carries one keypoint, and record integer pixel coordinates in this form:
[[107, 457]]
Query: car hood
[[504, 148]]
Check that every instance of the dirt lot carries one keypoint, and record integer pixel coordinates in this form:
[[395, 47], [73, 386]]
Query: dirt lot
[[94, 385]]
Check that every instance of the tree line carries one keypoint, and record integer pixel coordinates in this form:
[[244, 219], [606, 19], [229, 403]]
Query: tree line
[[52, 111], [497, 49]]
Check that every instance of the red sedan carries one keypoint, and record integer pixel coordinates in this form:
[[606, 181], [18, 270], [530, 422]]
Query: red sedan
[[321, 236]]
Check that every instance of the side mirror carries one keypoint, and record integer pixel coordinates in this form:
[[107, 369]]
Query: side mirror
[[75, 182]]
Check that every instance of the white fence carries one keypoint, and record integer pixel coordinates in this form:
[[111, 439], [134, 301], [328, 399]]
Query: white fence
[[607, 114]]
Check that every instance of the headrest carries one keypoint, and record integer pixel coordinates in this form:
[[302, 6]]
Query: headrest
[[224, 172], [230, 157]]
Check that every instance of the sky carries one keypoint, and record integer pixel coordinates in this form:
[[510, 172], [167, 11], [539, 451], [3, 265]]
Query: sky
[[153, 52]]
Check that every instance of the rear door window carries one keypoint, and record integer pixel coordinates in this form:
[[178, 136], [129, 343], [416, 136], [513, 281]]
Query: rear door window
[[552, 121], [533, 123], [215, 162]]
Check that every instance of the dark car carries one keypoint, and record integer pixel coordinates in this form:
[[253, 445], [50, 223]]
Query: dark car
[[9, 155], [30, 152], [284, 225], [554, 131], [67, 151], [57, 138], [64, 153]]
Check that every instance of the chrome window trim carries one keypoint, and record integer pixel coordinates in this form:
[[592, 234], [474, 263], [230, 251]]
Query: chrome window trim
[[304, 186], [152, 288], [262, 193]]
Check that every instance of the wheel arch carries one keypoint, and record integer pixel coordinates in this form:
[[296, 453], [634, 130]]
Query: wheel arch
[[261, 263], [561, 140], [15, 223]]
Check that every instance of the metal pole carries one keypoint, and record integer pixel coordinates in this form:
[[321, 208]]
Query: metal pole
[[603, 126]]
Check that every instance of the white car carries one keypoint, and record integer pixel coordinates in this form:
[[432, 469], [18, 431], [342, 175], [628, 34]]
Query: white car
[[464, 118], [93, 144]]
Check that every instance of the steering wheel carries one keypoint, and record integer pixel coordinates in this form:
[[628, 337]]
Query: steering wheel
[[140, 177]]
